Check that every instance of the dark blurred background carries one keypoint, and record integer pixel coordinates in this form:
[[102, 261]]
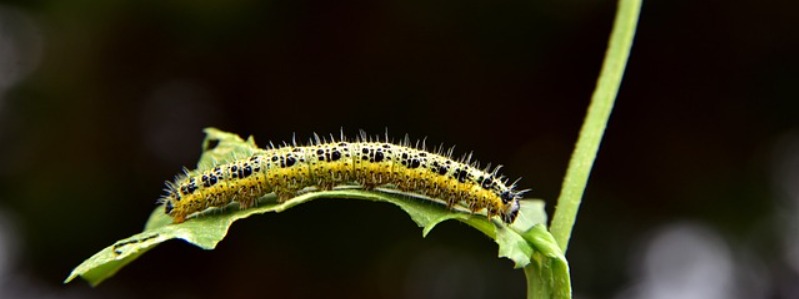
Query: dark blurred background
[[695, 193]]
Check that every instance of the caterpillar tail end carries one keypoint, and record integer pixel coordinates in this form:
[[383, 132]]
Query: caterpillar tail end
[[170, 210], [178, 219]]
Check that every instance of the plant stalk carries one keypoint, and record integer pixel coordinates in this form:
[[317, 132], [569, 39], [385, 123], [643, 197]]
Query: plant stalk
[[621, 39]]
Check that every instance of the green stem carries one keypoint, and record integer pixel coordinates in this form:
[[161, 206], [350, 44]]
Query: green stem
[[548, 273], [607, 87], [538, 287]]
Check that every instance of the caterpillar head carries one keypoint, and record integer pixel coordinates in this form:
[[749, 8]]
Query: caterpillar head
[[511, 211], [511, 201]]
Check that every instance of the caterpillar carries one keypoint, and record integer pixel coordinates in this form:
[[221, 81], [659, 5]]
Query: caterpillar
[[370, 163]]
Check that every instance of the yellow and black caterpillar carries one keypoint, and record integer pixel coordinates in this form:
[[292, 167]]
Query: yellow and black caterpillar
[[287, 169]]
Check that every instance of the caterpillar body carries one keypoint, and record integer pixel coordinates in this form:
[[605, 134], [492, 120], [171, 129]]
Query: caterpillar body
[[285, 170]]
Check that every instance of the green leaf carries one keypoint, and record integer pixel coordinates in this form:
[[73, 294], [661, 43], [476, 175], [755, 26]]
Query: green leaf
[[207, 230], [221, 147], [548, 273]]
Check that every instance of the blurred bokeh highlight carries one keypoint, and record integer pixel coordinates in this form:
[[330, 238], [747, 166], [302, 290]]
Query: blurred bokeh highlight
[[695, 193]]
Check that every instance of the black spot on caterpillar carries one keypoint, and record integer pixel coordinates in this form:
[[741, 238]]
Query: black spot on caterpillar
[[287, 169]]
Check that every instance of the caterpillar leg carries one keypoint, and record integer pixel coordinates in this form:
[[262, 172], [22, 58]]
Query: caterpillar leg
[[452, 198], [283, 196], [250, 197], [178, 219], [451, 201], [325, 186], [491, 211], [247, 202], [474, 207], [367, 186]]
